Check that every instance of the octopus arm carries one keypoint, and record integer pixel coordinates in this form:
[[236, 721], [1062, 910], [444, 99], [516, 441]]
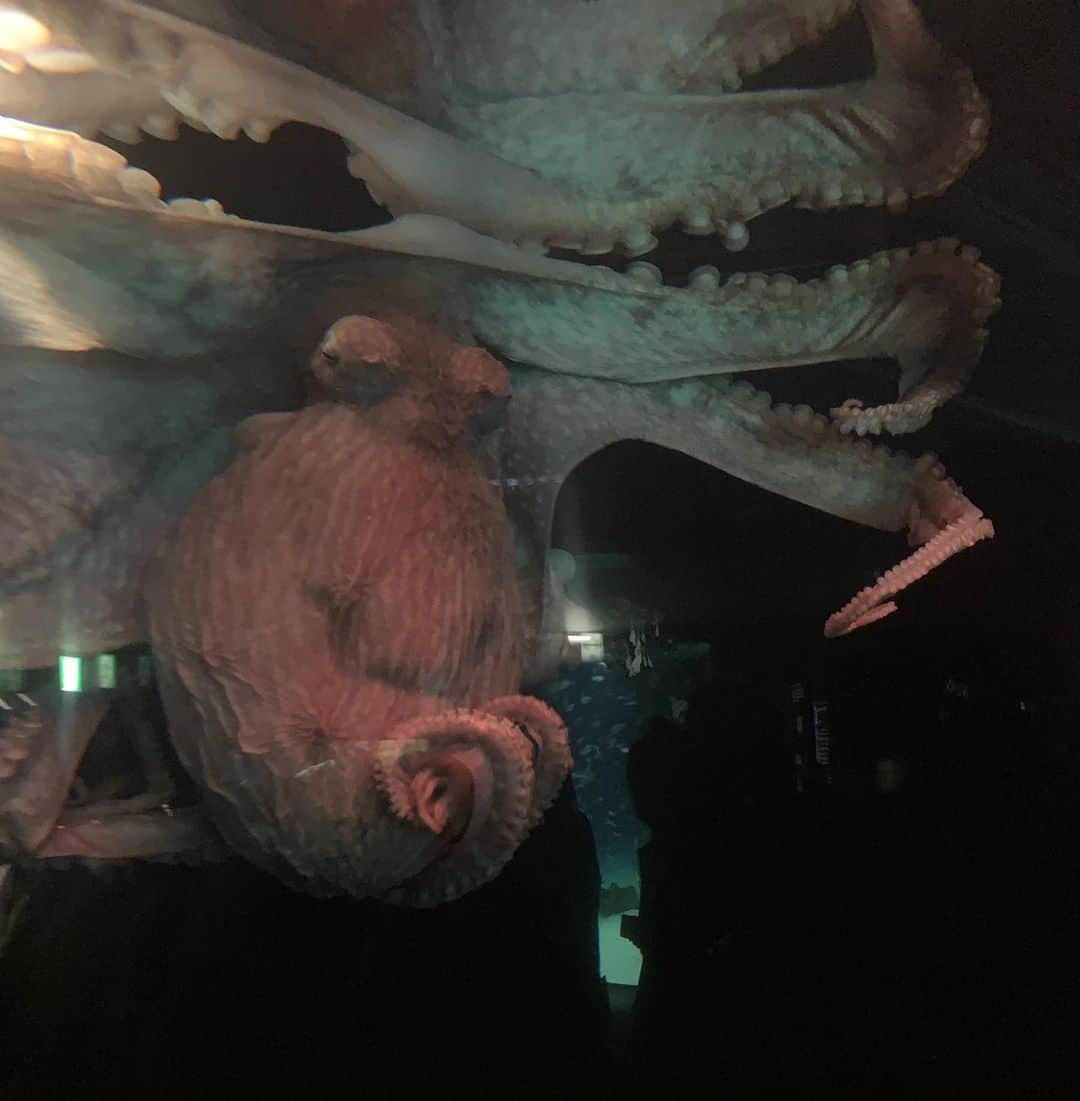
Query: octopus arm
[[204, 283], [632, 161], [437, 125], [925, 307], [98, 456], [789, 451], [40, 749]]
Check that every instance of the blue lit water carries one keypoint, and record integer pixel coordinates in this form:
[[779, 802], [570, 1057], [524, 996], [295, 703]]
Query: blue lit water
[[606, 710]]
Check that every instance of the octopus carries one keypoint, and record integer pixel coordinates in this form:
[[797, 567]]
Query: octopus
[[137, 333], [339, 633]]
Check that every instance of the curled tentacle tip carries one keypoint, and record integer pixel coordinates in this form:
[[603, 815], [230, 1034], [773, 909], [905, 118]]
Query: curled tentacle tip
[[836, 626]]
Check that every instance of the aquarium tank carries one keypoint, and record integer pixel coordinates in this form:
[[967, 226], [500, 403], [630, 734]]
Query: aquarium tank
[[537, 548]]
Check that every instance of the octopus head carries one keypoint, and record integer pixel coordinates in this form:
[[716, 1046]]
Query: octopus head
[[411, 377]]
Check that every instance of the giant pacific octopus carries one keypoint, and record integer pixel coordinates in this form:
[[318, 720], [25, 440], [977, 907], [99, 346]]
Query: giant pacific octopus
[[339, 637], [138, 333]]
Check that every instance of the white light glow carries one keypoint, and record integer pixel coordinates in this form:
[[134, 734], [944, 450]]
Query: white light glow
[[61, 60], [37, 306], [591, 644], [20, 32], [70, 674]]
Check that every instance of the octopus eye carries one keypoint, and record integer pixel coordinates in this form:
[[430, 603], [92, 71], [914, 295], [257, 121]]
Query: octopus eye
[[331, 357]]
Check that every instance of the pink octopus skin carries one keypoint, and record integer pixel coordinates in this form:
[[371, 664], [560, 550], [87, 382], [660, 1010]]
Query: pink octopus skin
[[340, 637]]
